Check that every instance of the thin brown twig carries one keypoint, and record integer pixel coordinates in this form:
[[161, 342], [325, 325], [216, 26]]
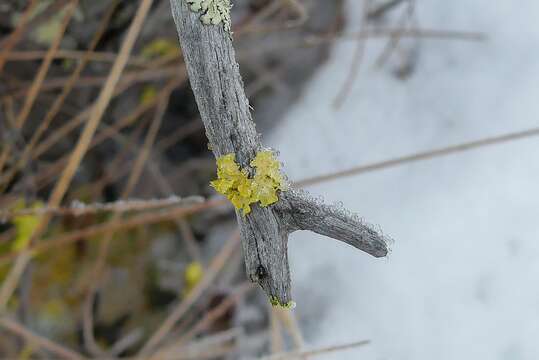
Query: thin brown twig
[[11, 40], [288, 318], [39, 78], [12, 279], [101, 104], [276, 335], [357, 59], [179, 134], [136, 171], [127, 79], [91, 231], [78, 208], [301, 12], [313, 39], [211, 273], [79, 55], [214, 352], [153, 218], [54, 348], [250, 25], [53, 7], [57, 105], [9, 110], [82, 146], [379, 10], [430, 154], [119, 166], [71, 125], [108, 131], [181, 224], [13, 276], [209, 347], [147, 146], [163, 61], [316, 352], [50, 173], [8, 131], [44, 68], [393, 43], [7, 235], [214, 314], [391, 32], [206, 321]]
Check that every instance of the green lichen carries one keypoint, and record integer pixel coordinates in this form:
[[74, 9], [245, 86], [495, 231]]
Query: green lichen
[[214, 12], [274, 301], [242, 190]]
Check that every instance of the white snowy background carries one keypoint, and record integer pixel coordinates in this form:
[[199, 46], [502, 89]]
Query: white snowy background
[[462, 281]]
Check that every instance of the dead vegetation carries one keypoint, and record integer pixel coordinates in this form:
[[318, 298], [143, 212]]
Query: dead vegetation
[[97, 113], [111, 239]]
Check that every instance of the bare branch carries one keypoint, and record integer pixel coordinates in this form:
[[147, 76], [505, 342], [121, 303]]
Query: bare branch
[[224, 109], [79, 208], [335, 222], [54, 348], [312, 353]]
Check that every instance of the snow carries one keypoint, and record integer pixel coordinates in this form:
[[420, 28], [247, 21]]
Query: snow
[[461, 282]]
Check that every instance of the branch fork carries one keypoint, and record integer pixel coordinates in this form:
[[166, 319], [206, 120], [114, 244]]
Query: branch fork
[[224, 109]]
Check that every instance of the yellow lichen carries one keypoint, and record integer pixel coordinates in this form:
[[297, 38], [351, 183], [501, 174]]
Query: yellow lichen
[[25, 226], [243, 191], [192, 276]]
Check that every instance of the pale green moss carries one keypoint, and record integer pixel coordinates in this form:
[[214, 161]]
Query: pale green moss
[[214, 12]]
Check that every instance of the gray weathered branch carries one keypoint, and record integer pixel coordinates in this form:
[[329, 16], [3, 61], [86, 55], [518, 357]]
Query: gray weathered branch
[[224, 109]]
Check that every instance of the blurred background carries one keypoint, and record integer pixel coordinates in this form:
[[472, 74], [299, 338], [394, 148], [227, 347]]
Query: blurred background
[[419, 116]]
